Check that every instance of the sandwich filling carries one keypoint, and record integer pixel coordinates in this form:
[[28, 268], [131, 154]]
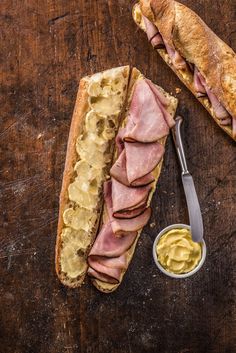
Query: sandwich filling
[[139, 151]]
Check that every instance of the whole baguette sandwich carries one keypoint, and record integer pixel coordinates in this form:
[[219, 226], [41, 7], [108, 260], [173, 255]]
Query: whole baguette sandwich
[[114, 157], [201, 60]]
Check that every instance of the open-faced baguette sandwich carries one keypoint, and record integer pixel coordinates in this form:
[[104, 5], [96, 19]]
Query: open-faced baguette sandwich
[[202, 61], [114, 157]]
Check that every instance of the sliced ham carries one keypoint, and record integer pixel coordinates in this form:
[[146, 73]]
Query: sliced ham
[[145, 180], [219, 110], [132, 213], [103, 277], [99, 262], [123, 226], [157, 42], [153, 34], [177, 60], [146, 122], [142, 159], [125, 199], [199, 87], [163, 103], [107, 269], [151, 29], [225, 122], [158, 94], [119, 172], [119, 140], [107, 244]]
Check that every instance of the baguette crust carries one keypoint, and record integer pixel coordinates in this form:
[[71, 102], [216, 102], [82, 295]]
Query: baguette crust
[[184, 30], [81, 107]]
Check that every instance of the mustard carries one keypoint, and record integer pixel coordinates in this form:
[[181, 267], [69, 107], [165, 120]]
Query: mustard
[[106, 92], [177, 253]]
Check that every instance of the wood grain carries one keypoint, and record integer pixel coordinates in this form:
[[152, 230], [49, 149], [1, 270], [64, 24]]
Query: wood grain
[[46, 47]]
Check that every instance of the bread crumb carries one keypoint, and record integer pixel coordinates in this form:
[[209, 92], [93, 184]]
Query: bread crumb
[[39, 136], [152, 225], [178, 90]]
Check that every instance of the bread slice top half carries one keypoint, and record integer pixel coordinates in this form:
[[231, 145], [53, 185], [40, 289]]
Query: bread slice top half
[[99, 107]]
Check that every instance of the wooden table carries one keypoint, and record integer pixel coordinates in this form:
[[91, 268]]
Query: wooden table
[[46, 47]]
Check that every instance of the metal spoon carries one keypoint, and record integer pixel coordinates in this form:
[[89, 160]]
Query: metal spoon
[[194, 211]]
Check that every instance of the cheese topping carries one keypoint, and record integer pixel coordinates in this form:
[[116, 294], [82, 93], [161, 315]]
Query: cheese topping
[[106, 96]]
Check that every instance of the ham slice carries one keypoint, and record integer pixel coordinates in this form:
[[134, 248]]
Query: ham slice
[[199, 87], [123, 226], [157, 42], [219, 110], [103, 277], [226, 122], [119, 262], [145, 180], [158, 94], [153, 34], [146, 122], [129, 214], [163, 103], [177, 60], [126, 199], [107, 244], [119, 172], [142, 159], [107, 269], [119, 141]]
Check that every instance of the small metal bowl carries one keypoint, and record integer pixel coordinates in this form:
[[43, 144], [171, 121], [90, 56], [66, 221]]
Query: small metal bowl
[[170, 274]]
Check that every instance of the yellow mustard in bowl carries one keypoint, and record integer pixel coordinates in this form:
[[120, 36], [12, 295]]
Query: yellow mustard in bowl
[[176, 251]]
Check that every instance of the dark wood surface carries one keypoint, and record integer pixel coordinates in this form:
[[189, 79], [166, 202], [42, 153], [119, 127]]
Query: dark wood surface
[[46, 47]]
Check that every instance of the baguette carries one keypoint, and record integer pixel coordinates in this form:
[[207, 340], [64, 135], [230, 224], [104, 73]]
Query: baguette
[[184, 31], [73, 244]]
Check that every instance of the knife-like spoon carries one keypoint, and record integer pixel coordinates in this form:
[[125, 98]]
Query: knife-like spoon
[[194, 211]]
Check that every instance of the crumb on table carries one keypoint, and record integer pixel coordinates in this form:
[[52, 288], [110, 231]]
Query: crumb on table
[[177, 90]]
